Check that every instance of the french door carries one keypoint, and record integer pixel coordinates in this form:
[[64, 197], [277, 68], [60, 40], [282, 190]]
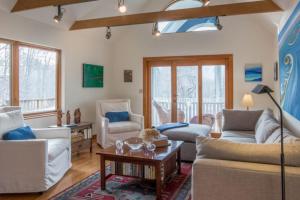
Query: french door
[[191, 89]]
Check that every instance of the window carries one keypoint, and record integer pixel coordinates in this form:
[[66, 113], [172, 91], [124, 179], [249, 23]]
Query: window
[[5, 73], [35, 74], [180, 26]]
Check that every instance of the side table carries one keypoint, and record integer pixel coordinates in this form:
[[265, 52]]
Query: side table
[[81, 136]]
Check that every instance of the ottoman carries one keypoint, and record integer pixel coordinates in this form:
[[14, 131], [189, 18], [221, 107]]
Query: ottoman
[[188, 135]]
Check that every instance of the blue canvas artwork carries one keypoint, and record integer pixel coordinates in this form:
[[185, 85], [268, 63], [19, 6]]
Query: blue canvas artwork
[[289, 63], [253, 73]]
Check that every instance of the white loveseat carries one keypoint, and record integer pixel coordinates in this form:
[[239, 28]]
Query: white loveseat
[[108, 133], [34, 165]]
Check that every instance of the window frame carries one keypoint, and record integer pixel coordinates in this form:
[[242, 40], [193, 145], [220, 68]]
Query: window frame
[[15, 98]]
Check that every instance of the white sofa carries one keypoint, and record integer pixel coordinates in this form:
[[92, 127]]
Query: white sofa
[[108, 133], [245, 162], [28, 166]]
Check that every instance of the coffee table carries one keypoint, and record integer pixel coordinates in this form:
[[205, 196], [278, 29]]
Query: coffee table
[[165, 160]]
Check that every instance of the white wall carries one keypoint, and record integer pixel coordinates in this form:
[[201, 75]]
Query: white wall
[[289, 121], [78, 47], [242, 36]]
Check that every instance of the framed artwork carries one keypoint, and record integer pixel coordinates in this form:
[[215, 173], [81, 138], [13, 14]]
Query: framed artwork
[[92, 76], [289, 64], [253, 73], [276, 71], [128, 76]]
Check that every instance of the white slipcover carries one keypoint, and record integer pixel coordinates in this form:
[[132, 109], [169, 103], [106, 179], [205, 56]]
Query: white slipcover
[[28, 166], [108, 133]]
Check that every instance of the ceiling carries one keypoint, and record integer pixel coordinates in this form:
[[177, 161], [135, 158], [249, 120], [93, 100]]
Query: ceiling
[[107, 8]]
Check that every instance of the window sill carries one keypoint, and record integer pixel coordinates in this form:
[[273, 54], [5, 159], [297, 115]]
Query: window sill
[[39, 115]]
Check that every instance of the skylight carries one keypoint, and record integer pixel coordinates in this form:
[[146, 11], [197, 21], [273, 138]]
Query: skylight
[[181, 26]]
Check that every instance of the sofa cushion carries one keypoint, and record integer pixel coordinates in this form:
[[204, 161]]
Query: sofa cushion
[[267, 125], [23, 133], [239, 136], [256, 153], [117, 116], [114, 107], [56, 147], [267, 113], [240, 120], [275, 138], [119, 127], [189, 133], [10, 121]]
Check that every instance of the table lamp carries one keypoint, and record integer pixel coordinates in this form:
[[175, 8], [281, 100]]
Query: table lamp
[[263, 89], [247, 101]]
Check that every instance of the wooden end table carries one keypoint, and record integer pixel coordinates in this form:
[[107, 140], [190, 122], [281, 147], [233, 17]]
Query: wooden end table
[[166, 161], [84, 129]]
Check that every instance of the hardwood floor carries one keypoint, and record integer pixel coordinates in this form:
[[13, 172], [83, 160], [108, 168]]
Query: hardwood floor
[[83, 165]]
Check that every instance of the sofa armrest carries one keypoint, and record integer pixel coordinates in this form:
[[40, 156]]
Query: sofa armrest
[[52, 133], [23, 161], [102, 130], [214, 178], [137, 118]]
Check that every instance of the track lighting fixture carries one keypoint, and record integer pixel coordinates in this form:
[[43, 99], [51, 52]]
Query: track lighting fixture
[[121, 6], [218, 24], [156, 31], [60, 12], [108, 33], [205, 2]]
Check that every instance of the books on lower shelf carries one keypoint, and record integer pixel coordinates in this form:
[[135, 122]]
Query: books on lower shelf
[[129, 169]]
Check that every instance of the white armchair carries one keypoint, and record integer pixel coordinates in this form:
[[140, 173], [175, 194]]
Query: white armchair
[[108, 133], [34, 165]]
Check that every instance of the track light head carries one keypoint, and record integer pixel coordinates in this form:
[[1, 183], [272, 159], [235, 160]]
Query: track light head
[[218, 24], [57, 18], [108, 33], [205, 2], [156, 31], [121, 6]]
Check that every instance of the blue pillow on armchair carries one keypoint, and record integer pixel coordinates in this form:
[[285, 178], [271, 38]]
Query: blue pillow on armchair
[[23, 133], [117, 116]]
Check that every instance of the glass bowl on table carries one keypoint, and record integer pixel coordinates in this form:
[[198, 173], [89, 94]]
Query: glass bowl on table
[[135, 144]]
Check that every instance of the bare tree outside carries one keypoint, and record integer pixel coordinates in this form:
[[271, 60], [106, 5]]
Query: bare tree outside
[[5, 73]]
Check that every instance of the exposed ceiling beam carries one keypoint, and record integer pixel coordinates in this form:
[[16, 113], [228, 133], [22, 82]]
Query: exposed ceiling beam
[[209, 11], [23, 5]]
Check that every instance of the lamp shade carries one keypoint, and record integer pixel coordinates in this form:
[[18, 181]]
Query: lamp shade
[[262, 89], [248, 100]]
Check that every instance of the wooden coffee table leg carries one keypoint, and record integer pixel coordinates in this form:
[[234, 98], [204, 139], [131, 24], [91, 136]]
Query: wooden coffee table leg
[[102, 172], [158, 180], [179, 161]]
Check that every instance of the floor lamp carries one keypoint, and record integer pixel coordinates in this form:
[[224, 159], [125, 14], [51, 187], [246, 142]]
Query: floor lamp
[[263, 89]]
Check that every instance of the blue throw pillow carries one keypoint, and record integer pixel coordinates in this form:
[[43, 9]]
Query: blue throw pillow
[[24, 133], [117, 116]]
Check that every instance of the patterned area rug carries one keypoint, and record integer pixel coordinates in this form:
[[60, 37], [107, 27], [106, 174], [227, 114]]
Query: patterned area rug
[[125, 188]]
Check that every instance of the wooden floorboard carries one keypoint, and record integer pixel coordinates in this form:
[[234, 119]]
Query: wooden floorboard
[[83, 165]]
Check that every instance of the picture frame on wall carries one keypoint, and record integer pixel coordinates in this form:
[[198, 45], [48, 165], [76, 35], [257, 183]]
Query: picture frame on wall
[[253, 73], [128, 76], [92, 76]]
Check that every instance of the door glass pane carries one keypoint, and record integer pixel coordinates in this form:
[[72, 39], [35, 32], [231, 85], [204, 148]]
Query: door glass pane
[[5, 73], [37, 79], [161, 93], [213, 95], [187, 94]]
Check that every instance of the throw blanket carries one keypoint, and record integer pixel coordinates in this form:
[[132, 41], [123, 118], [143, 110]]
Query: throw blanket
[[169, 126]]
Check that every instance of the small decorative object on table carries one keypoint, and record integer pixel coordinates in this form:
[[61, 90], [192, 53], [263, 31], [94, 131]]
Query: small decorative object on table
[[68, 121], [77, 116], [59, 118], [153, 136]]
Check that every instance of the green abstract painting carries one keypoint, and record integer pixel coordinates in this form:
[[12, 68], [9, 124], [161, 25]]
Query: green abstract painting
[[92, 76]]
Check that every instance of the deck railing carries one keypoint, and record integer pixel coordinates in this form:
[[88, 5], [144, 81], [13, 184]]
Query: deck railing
[[189, 106], [35, 105]]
